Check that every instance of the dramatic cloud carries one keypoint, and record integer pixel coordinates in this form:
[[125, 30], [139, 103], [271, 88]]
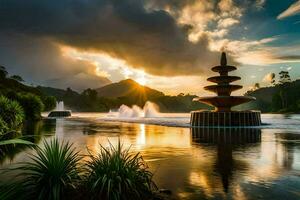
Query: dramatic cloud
[[197, 15], [254, 52], [292, 10], [149, 40], [83, 43], [227, 22], [204, 17], [259, 4], [44, 62]]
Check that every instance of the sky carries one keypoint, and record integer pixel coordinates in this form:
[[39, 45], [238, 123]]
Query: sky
[[169, 45]]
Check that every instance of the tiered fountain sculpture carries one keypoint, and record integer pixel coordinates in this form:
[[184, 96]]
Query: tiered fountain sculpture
[[223, 102]]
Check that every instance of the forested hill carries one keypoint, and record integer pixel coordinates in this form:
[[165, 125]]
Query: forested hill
[[127, 87], [284, 97], [126, 92], [17, 97]]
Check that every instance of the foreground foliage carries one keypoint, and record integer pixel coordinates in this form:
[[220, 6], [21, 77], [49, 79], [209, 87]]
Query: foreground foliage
[[115, 173], [52, 172], [11, 115], [57, 172], [11, 120]]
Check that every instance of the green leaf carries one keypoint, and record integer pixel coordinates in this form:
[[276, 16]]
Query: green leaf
[[16, 141]]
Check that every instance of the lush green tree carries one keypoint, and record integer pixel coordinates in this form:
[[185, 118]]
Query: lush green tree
[[90, 94], [11, 113], [284, 80], [17, 78], [49, 103], [32, 105], [276, 102], [298, 104], [284, 77], [3, 72]]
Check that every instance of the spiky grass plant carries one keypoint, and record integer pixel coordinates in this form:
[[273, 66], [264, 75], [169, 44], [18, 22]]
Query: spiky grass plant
[[11, 191], [11, 113], [52, 172], [116, 174]]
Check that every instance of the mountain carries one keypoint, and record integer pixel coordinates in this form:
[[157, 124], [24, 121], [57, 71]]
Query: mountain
[[79, 82], [126, 92], [59, 94], [10, 85], [128, 88]]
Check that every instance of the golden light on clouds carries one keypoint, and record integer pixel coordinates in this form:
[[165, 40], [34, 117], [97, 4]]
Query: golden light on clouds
[[106, 65], [171, 42], [209, 21], [117, 69], [292, 10], [198, 15]]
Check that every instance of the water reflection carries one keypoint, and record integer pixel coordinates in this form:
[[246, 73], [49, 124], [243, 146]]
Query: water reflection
[[224, 136], [226, 141], [31, 131], [196, 163], [141, 137]]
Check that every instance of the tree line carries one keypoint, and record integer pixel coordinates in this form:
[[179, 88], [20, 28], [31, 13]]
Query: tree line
[[283, 97]]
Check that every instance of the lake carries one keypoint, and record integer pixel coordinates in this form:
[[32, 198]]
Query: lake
[[230, 163]]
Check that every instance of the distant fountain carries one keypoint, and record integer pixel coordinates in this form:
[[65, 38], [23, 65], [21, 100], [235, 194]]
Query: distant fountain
[[60, 111], [149, 110], [127, 112], [223, 102], [60, 106]]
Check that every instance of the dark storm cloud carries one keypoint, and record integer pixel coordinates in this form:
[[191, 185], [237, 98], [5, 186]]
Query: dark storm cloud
[[151, 40], [40, 61]]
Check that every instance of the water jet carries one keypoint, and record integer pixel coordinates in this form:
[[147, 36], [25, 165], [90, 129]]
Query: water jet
[[149, 110], [223, 115], [60, 111]]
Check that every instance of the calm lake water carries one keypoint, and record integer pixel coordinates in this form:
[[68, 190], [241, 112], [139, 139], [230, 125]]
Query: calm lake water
[[202, 163]]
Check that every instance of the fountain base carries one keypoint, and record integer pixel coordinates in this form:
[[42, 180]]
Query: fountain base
[[60, 114], [224, 136], [233, 118]]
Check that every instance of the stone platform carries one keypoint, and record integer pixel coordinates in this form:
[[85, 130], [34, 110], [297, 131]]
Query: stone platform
[[60, 114], [223, 119]]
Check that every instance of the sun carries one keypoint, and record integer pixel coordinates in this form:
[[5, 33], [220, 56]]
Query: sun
[[141, 79]]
